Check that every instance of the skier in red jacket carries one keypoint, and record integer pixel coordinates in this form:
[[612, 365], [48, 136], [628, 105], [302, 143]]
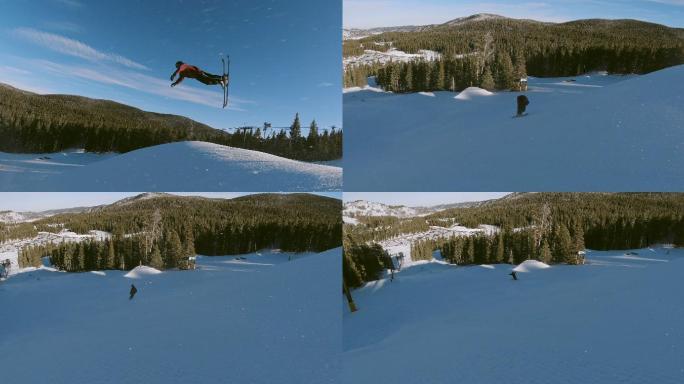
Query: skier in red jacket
[[186, 70]]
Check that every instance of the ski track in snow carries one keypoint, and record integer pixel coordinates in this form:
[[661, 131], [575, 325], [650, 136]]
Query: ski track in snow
[[598, 133], [180, 166], [258, 320], [597, 324]]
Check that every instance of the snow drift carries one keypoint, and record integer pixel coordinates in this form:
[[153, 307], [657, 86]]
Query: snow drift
[[598, 132], [182, 166]]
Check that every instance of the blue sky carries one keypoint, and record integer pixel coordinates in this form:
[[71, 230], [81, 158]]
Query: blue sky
[[421, 199], [382, 13], [42, 201], [285, 55]]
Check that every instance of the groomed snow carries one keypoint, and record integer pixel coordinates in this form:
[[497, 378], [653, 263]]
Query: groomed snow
[[599, 132], [181, 166], [611, 321], [260, 320]]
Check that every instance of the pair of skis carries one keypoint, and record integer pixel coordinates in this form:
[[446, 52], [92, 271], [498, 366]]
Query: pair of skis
[[226, 75]]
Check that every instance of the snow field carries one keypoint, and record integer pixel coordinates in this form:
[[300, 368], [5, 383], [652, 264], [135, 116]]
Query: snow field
[[614, 320], [599, 132], [256, 320]]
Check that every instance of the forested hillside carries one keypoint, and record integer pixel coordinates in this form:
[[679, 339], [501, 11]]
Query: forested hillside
[[493, 53], [33, 123], [161, 230], [550, 227]]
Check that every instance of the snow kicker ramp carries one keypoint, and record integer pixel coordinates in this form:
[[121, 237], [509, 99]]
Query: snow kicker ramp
[[195, 166], [588, 133]]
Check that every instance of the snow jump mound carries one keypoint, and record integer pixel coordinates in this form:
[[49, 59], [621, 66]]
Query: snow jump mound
[[142, 271], [472, 92], [530, 266], [196, 165]]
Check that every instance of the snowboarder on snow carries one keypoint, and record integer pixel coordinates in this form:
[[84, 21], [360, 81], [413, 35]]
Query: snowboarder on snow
[[522, 104], [515, 275], [134, 290], [186, 70]]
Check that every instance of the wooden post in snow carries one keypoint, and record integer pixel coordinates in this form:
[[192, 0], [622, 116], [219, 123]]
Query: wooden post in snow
[[350, 300]]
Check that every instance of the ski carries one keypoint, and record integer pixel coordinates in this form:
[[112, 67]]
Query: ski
[[226, 75]]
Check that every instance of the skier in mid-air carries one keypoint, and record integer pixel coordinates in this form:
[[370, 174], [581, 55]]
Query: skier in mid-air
[[523, 102], [184, 70], [134, 290]]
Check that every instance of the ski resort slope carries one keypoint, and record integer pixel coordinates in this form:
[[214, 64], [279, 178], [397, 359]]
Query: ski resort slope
[[615, 320], [180, 166], [596, 133], [260, 320]]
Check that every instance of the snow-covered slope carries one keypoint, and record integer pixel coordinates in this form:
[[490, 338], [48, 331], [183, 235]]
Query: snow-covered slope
[[370, 208], [599, 132], [612, 321], [359, 33], [255, 321], [181, 166], [371, 56], [12, 217]]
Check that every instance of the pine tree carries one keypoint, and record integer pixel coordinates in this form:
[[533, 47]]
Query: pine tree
[[545, 253], [156, 259], [487, 80], [504, 71], [578, 237], [312, 138], [563, 244], [81, 257], [189, 240], [520, 71], [408, 77], [499, 257], [110, 260], [296, 128], [174, 249]]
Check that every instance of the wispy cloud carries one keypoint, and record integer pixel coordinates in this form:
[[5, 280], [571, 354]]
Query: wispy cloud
[[143, 83], [13, 70], [325, 84], [72, 47]]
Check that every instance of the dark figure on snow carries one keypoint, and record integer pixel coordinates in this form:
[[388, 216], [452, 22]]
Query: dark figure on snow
[[186, 70], [523, 102], [134, 290], [515, 275]]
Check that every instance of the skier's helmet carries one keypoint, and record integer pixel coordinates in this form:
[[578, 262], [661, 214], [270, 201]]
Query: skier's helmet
[[178, 63]]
